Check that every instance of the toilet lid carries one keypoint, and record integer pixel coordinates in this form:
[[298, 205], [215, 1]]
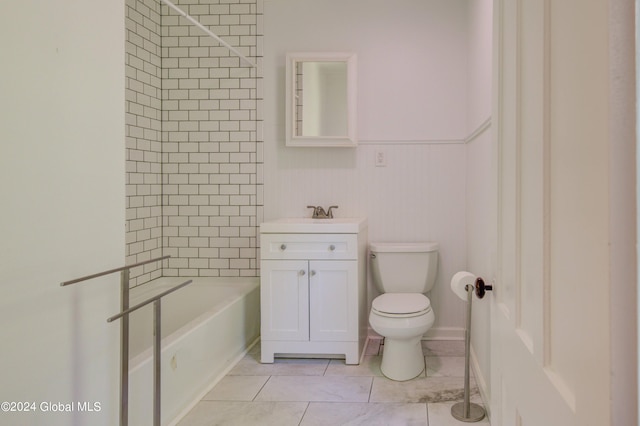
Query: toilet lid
[[401, 303]]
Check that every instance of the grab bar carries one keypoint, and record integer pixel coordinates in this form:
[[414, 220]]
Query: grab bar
[[157, 340], [124, 329], [111, 271]]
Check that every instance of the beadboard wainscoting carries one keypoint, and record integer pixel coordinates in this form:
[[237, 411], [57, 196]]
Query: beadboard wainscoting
[[418, 196]]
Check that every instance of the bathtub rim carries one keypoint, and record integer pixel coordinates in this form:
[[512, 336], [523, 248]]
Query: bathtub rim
[[248, 284]]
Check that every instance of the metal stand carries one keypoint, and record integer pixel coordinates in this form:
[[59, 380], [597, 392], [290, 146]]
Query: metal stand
[[157, 356], [124, 349], [157, 343], [467, 411], [124, 328]]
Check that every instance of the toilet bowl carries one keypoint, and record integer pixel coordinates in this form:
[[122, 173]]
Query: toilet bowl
[[402, 314], [402, 329]]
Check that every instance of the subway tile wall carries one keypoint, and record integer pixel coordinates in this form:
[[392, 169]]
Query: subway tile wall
[[210, 144], [143, 137]]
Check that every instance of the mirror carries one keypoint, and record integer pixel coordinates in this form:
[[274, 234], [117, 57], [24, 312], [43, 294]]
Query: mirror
[[321, 99]]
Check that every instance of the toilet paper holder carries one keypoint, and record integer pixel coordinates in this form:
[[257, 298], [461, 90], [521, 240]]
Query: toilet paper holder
[[467, 411], [482, 288]]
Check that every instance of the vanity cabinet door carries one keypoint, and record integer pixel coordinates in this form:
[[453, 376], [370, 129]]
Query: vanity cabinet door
[[284, 296], [333, 300]]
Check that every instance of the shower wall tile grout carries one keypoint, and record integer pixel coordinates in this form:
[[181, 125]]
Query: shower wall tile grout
[[203, 171], [143, 133]]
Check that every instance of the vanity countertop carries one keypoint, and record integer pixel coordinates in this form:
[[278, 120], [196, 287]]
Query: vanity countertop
[[306, 225]]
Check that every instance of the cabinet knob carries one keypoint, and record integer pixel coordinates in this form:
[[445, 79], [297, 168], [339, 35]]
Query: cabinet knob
[[283, 247], [313, 273], [332, 247], [302, 272]]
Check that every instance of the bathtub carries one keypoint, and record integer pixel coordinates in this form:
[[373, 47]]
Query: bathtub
[[207, 327]]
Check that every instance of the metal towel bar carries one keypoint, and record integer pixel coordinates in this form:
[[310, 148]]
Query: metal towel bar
[[111, 271], [124, 329], [157, 340]]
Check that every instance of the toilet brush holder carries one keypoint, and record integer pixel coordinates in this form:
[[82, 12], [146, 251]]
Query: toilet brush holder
[[466, 411]]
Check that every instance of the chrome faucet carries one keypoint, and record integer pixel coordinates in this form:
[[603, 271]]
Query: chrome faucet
[[319, 213]]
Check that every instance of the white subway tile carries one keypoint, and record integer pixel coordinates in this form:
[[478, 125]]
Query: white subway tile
[[191, 109]]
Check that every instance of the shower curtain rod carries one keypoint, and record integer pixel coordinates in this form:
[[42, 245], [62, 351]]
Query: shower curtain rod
[[209, 33]]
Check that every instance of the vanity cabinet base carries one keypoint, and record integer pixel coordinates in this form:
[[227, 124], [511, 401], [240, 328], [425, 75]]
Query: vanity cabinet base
[[350, 351], [313, 297]]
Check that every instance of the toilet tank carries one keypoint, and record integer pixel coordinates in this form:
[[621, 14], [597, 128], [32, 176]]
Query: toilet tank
[[403, 267]]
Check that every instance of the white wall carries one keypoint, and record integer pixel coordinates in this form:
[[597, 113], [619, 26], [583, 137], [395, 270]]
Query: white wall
[[480, 182], [412, 92], [62, 190], [479, 65]]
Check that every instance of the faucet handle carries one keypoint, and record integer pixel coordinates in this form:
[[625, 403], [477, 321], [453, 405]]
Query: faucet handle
[[329, 212], [315, 211]]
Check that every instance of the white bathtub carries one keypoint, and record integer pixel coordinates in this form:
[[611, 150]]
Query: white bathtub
[[206, 327]]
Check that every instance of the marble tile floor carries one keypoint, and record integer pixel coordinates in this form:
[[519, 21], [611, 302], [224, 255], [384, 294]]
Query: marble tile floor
[[327, 392]]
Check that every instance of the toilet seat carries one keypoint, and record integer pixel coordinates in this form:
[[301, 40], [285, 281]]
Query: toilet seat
[[401, 305]]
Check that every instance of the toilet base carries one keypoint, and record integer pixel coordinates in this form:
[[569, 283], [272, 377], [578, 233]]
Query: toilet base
[[402, 359]]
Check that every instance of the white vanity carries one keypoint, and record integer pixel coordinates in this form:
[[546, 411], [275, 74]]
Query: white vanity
[[313, 288]]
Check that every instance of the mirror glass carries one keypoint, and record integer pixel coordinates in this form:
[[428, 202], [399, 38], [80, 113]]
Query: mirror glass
[[321, 99]]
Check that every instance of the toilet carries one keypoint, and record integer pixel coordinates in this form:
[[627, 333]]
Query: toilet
[[402, 272]]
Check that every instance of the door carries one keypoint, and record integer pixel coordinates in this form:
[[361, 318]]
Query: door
[[550, 308], [284, 293], [334, 300]]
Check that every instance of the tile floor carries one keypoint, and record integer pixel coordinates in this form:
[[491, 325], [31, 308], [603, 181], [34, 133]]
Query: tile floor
[[327, 392]]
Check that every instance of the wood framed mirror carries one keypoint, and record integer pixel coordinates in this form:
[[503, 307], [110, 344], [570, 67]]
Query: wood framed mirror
[[321, 91]]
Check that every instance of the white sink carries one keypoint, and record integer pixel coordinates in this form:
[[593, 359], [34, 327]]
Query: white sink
[[307, 225]]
